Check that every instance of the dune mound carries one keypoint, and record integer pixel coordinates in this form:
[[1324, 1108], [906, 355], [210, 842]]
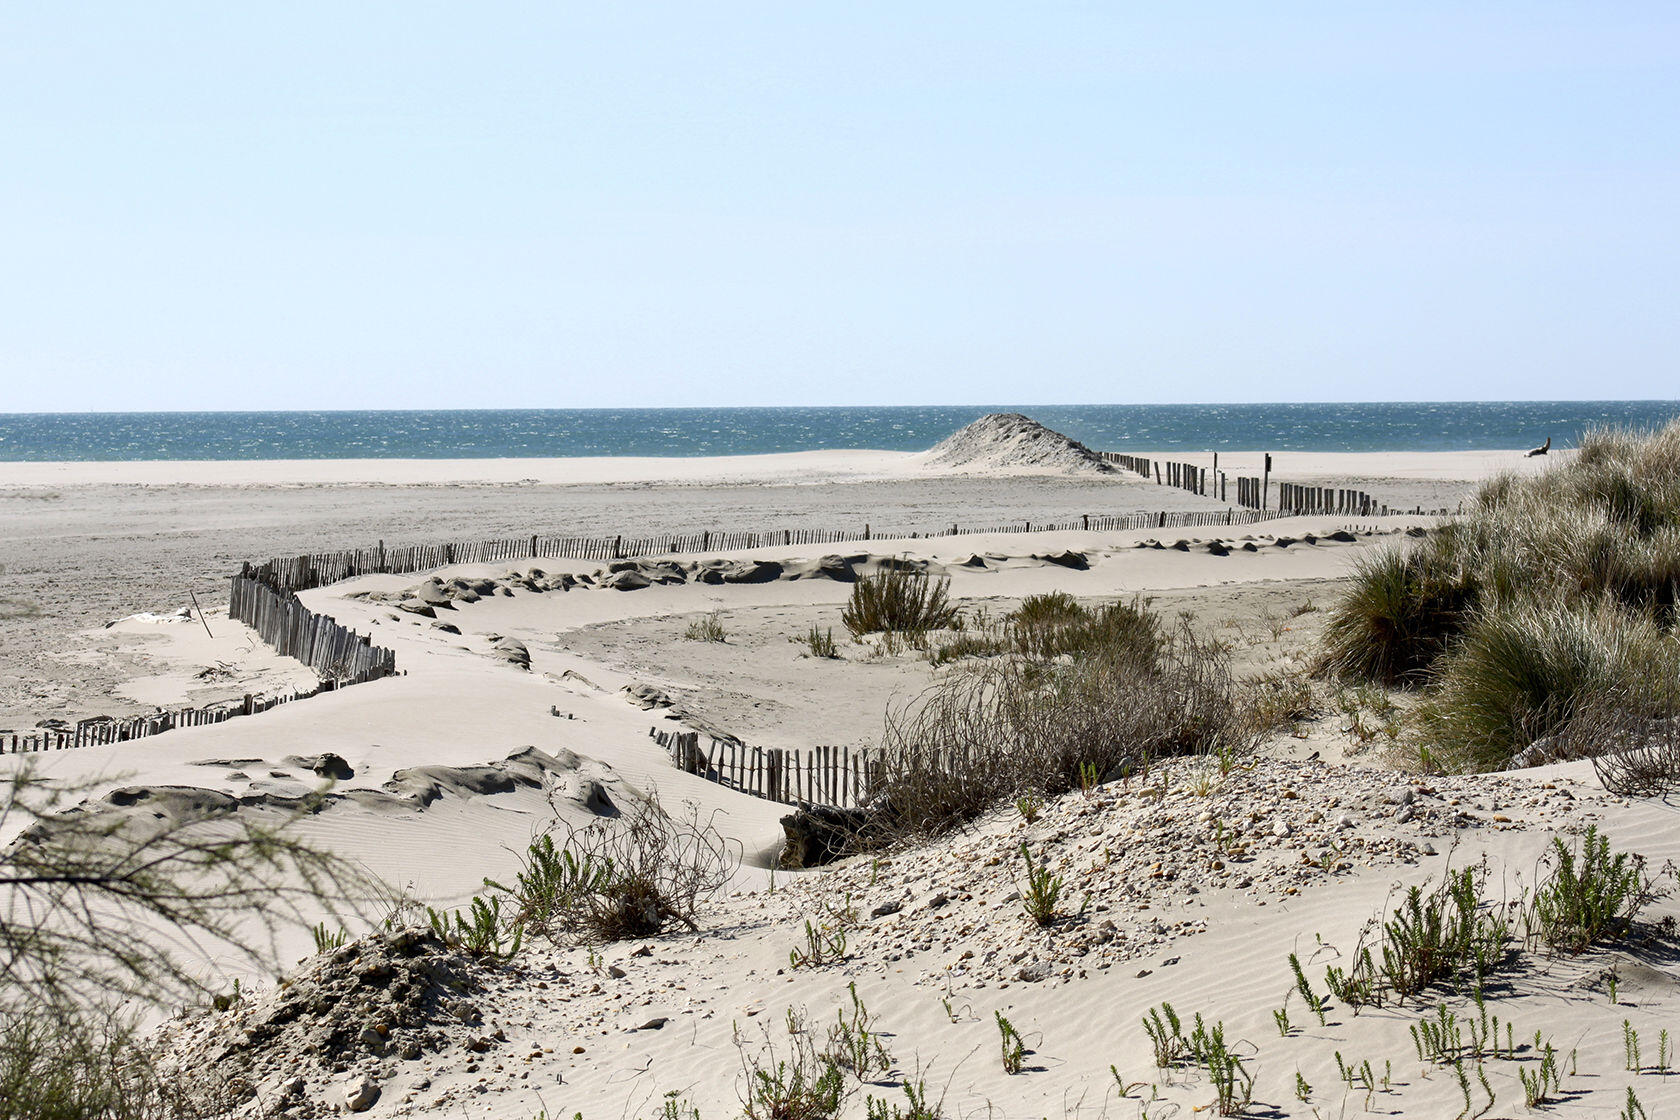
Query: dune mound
[[1010, 441]]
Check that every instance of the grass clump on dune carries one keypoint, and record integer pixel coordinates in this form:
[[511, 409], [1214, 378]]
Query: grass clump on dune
[[1548, 592], [899, 600]]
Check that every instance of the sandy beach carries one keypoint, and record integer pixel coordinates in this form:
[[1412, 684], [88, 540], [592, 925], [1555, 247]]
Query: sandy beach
[[90, 543], [456, 764]]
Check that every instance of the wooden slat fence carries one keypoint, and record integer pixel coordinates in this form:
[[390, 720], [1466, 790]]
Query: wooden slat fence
[[293, 630], [838, 776], [341, 657], [300, 573], [97, 731], [1137, 464]]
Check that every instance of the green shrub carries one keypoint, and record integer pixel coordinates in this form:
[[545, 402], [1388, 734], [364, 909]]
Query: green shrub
[[1454, 933], [917, 1106], [1042, 891], [899, 600], [630, 877], [1589, 895], [821, 643], [805, 1085], [481, 931], [1055, 625], [1014, 1050]]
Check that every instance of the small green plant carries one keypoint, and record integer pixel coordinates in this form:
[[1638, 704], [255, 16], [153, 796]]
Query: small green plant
[[1632, 1110], [1232, 1082], [1281, 1018], [823, 945], [1303, 1090], [1664, 1052], [1630, 1046], [1541, 1087], [854, 1046], [481, 931], [326, 942], [1121, 1085], [707, 628], [673, 1106], [1030, 805], [916, 1106], [1450, 933], [1463, 1087], [1041, 893], [821, 643], [1590, 894], [803, 1087], [1088, 778], [1013, 1049], [1166, 1035], [225, 1001], [1439, 1040], [1315, 1003]]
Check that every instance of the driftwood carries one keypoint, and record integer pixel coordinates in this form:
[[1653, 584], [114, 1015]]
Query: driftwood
[[821, 834]]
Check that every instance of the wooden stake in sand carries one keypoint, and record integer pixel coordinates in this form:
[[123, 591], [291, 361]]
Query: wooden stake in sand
[[202, 620]]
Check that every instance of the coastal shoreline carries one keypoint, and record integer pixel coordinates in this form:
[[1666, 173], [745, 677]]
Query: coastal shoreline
[[789, 467]]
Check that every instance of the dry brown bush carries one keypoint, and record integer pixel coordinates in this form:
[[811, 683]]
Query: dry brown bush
[[989, 732]]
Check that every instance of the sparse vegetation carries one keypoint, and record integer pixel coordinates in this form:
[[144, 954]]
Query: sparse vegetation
[[1451, 933], [481, 931], [707, 628], [627, 877], [853, 1046], [1056, 624], [94, 904], [916, 1106], [1205, 1046], [821, 643], [802, 1085], [1042, 891], [824, 944], [995, 730]]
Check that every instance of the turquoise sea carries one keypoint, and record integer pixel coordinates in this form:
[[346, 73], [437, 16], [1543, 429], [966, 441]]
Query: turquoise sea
[[545, 433]]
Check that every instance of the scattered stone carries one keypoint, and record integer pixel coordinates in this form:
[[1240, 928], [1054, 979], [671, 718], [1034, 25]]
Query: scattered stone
[[361, 1094]]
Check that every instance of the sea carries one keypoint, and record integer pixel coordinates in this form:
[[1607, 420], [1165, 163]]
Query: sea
[[552, 433]]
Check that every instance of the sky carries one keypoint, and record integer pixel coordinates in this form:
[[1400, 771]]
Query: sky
[[418, 205]]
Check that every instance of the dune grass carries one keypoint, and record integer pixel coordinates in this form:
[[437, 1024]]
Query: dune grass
[[899, 600], [1550, 590]]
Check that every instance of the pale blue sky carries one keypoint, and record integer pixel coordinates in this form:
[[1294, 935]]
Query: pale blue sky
[[365, 205]]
